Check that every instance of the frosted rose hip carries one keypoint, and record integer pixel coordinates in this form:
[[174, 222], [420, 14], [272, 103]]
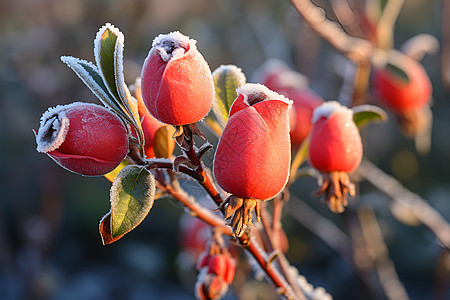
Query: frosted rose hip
[[84, 138], [177, 84], [335, 150], [335, 141], [253, 155]]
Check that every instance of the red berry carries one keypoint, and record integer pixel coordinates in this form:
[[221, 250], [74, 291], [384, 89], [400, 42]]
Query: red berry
[[335, 141], [403, 85], [231, 268], [217, 265], [84, 138], [203, 260], [177, 84], [253, 155]]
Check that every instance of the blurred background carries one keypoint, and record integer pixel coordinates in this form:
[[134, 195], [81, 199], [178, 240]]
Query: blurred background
[[50, 247]]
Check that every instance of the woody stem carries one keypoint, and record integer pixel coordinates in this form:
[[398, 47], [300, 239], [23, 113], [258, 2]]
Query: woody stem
[[245, 240], [353, 48]]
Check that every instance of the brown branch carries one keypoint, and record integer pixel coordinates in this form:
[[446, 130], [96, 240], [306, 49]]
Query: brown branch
[[353, 48], [426, 214], [245, 240], [274, 245]]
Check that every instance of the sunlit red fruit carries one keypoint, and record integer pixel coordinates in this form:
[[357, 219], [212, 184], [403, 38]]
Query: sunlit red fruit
[[253, 155], [84, 138], [335, 141], [177, 84], [402, 84]]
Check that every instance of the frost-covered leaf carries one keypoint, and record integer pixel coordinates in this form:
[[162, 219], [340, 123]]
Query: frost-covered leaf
[[132, 195], [227, 79], [366, 113], [106, 45], [108, 52], [91, 77]]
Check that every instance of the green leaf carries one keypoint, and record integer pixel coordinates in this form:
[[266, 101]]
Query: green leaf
[[91, 77], [364, 114], [108, 52], [227, 79], [132, 195], [398, 72], [104, 51]]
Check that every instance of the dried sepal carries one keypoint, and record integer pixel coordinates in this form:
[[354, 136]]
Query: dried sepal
[[336, 186], [239, 211]]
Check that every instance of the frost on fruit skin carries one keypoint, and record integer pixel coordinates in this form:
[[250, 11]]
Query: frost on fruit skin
[[328, 108], [253, 155], [53, 129], [74, 137], [335, 149], [173, 45], [177, 84], [335, 141], [251, 93]]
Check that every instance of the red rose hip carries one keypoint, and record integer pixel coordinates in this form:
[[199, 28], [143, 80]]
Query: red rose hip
[[335, 141], [253, 156], [403, 85], [177, 84], [84, 138], [335, 150]]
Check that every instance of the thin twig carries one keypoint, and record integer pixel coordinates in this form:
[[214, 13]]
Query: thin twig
[[322, 227], [378, 251], [245, 241], [386, 22], [274, 244], [353, 48], [426, 214]]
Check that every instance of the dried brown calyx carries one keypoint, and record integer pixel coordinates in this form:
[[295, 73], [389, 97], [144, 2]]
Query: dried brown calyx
[[239, 210], [337, 186]]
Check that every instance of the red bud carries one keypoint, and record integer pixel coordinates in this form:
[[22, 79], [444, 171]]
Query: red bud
[[403, 85], [335, 141], [84, 138], [217, 265], [253, 155], [177, 84]]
